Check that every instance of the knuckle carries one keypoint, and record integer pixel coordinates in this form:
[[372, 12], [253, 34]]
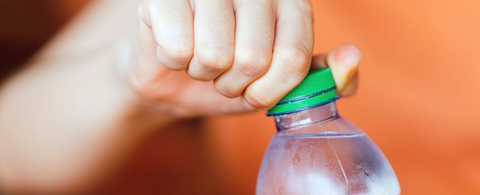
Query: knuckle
[[214, 58], [257, 100], [253, 63], [199, 77], [226, 91], [179, 52], [297, 59]]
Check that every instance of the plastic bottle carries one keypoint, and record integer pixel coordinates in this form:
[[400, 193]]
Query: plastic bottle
[[317, 152]]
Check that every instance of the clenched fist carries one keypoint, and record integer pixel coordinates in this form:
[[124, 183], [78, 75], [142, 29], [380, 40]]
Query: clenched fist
[[202, 57]]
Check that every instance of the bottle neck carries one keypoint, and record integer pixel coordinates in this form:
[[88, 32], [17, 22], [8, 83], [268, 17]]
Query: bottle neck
[[295, 120]]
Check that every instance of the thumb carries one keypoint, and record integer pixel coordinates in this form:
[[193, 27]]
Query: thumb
[[343, 61]]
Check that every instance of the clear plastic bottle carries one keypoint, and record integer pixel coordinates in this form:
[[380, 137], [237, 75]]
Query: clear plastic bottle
[[317, 152]]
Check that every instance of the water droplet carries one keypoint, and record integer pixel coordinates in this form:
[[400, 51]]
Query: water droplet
[[296, 159], [289, 144]]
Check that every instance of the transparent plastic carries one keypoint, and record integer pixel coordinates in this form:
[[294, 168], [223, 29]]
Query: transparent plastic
[[317, 152]]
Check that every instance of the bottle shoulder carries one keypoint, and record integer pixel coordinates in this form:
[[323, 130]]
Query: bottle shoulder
[[331, 126]]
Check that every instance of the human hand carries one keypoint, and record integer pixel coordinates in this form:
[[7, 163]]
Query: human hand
[[204, 57]]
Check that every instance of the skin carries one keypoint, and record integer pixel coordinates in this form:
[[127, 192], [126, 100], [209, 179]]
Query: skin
[[168, 60]]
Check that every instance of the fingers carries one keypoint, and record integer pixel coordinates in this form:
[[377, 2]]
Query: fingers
[[255, 31], [259, 48], [319, 61], [291, 58], [214, 39], [171, 22], [344, 61]]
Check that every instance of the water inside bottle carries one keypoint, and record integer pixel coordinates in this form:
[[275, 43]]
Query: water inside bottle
[[326, 164]]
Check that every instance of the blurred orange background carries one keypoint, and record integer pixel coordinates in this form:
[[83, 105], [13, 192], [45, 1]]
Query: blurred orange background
[[419, 97]]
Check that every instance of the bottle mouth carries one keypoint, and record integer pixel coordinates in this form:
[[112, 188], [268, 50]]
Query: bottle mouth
[[304, 102]]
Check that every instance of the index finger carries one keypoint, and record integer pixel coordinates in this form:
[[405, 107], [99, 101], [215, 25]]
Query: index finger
[[292, 54]]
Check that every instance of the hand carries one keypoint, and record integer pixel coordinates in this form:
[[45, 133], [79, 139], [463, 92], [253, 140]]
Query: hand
[[204, 57]]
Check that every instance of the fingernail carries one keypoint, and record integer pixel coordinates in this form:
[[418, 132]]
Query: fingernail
[[352, 73]]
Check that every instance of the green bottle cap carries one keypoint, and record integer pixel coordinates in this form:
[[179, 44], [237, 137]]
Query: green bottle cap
[[316, 89]]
